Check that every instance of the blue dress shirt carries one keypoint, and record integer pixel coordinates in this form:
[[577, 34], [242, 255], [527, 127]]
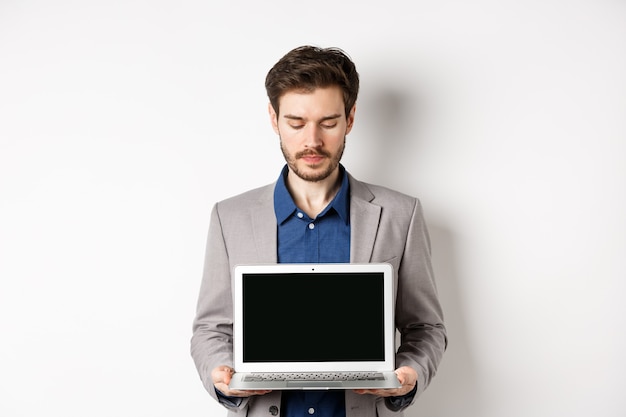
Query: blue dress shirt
[[324, 239]]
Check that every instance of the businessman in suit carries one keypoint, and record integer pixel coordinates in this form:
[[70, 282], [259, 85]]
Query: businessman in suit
[[317, 212]]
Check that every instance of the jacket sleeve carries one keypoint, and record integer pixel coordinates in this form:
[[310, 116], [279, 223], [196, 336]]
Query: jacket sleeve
[[419, 316], [211, 342]]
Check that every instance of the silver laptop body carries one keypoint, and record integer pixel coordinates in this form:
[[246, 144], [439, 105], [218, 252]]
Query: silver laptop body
[[314, 326]]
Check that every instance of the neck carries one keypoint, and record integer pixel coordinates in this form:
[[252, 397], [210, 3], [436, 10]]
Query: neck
[[313, 197]]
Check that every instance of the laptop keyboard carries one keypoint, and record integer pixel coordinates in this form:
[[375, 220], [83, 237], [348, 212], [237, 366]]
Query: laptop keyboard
[[318, 376]]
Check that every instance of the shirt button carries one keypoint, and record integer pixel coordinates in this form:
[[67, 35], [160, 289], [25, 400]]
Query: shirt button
[[311, 410], [300, 215], [311, 226]]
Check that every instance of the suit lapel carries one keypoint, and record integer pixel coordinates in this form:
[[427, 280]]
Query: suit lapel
[[364, 221], [263, 221]]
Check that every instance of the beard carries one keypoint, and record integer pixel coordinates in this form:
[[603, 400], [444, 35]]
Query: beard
[[315, 176]]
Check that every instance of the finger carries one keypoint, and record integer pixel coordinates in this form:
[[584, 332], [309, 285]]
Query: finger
[[401, 377], [255, 392], [222, 374], [227, 374], [368, 391], [243, 393], [384, 392], [406, 375]]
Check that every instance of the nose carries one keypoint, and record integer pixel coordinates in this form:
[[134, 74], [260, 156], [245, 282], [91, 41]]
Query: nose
[[313, 136]]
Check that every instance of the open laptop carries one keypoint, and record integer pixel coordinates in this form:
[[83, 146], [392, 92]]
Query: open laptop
[[314, 326]]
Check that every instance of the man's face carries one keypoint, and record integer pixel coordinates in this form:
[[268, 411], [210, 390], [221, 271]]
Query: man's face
[[312, 127]]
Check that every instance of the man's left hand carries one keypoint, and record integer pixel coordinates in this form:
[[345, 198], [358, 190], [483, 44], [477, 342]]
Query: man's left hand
[[407, 377]]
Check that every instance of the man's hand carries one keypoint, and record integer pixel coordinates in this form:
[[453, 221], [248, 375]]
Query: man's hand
[[407, 377], [221, 378]]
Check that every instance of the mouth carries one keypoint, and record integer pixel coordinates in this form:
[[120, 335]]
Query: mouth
[[311, 158]]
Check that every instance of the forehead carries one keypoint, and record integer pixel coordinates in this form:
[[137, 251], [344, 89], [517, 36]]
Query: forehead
[[312, 103]]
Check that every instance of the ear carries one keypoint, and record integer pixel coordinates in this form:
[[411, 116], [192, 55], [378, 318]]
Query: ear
[[273, 117], [350, 119]]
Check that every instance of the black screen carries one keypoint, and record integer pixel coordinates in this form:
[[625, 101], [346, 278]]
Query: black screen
[[313, 317]]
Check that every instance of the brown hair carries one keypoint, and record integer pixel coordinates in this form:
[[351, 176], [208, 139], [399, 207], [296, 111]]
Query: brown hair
[[307, 68]]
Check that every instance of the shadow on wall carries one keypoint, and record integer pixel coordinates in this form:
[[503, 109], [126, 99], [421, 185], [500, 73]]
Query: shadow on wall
[[393, 119], [385, 118], [455, 390]]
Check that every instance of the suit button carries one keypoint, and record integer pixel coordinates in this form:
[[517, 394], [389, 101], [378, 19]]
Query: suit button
[[274, 410]]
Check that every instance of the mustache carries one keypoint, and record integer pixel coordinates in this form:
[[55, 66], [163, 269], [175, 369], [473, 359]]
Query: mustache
[[313, 152]]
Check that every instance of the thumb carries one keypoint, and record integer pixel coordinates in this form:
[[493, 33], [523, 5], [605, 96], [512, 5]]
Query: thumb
[[401, 376], [223, 374], [228, 374]]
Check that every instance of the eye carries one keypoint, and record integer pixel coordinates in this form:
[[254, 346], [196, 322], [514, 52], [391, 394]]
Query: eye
[[296, 126], [329, 125]]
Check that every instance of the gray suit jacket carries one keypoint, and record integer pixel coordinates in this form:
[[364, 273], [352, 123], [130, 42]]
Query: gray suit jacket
[[386, 226]]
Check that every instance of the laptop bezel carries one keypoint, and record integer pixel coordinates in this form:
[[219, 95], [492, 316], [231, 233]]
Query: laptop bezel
[[388, 364]]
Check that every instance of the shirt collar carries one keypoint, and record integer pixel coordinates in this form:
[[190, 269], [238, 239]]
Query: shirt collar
[[284, 205]]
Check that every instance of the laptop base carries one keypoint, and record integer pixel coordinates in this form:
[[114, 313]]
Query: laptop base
[[244, 381]]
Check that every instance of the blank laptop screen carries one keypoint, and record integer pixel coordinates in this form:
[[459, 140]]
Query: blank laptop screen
[[313, 317]]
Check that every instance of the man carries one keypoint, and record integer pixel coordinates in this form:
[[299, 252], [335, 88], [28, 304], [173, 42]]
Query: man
[[317, 212]]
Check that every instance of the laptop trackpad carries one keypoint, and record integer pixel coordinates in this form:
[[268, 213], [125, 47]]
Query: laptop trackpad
[[314, 384]]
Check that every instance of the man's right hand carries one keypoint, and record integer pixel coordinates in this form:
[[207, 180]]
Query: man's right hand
[[221, 378]]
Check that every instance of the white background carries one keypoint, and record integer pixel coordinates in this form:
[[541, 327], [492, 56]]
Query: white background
[[122, 122]]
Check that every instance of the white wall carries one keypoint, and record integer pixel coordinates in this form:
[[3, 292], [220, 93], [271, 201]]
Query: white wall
[[122, 122]]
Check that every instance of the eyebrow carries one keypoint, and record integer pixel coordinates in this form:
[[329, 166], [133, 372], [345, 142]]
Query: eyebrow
[[323, 119]]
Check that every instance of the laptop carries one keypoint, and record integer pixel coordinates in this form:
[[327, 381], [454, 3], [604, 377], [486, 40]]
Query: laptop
[[314, 326]]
